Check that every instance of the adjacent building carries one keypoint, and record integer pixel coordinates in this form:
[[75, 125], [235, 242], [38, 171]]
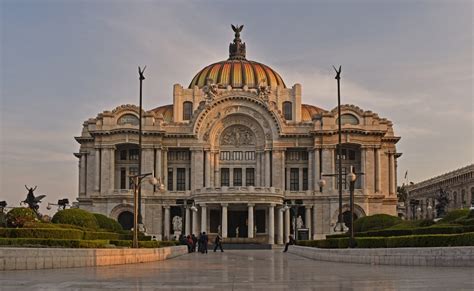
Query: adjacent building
[[238, 144], [458, 184]]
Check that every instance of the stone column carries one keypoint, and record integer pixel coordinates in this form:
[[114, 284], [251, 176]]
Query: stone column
[[147, 167], [187, 223], [310, 170], [167, 222], [197, 159], [327, 168], [378, 177], [211, 171], [392, 180], [217, 176], [287, 225], [258, 170], [107, 169], [278, 169], [280, 226], [158, 168], [317, 170], [250, 221], [271, 224], [267, 168], [165, 169], [314, 228], [307, 219], [363, 158], [369, 177], [224, 220], [203, 218], [82, 175], [97, 170], [195, 222], [207, 168]]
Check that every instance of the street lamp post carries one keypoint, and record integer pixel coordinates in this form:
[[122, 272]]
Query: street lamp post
[[139, 209], [340, 223], [137, 181]]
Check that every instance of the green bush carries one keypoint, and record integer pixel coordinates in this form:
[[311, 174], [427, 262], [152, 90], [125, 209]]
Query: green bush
[[374, 222], [47, 242], [41, 233], [144, 244], [433, 240], [425, 223], [17, 217], [471, 214], [107, 223], [3, 220], [76, 216], [92, 235], [129, 236], [454, 214], [371, 242]]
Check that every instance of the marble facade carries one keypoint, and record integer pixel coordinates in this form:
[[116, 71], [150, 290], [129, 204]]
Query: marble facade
[[237, 147]]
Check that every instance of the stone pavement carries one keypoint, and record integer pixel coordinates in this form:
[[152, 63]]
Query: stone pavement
[[242, 270]]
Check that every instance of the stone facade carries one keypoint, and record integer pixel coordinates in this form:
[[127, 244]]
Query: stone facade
[[458, 184], [237, 145]]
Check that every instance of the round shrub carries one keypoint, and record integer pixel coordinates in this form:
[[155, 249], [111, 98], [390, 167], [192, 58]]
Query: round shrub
[[425, 223], [17, 217], [377, 221], [107, 223], [76, 216], [3, 219], [471, 214]]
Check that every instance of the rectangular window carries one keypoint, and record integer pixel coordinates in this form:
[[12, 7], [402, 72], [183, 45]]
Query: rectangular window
[[352, 155], [225, 177], [123, 178], [180, 179], [189, 178], [294, 179], [133, 154], [170, 179], [305, 179], [237, 177], [123, 155], [250, 177]]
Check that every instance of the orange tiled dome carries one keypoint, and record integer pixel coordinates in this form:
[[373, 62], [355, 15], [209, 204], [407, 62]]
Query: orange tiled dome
[[237, 71]]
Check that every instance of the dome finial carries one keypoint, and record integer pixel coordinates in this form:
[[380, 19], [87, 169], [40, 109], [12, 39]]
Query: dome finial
[[237, 48]]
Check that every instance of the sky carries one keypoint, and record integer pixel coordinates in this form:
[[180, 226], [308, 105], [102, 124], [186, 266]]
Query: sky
[[64, 61]]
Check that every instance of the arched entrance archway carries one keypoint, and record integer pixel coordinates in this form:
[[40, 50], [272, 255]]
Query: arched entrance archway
[[126, 220]]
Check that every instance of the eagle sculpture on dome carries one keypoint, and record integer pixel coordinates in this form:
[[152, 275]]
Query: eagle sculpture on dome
[[237, 29], [237, 48]]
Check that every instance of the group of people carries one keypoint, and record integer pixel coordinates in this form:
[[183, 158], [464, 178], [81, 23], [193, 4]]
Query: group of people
[[200, 243]]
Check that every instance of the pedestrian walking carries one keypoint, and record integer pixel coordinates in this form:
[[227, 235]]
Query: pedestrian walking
[[205, 241], [194, 242], [218, 243], [291, 241]]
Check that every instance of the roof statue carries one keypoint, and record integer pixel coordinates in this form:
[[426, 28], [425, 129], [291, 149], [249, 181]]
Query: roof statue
[[237, 48]]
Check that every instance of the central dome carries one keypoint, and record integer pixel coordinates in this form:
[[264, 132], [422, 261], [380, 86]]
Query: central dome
[[237, 71]]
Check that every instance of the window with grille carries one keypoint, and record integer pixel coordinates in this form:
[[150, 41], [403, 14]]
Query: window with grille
[[123, 178], [170, 179], [225, 177], [132, 171], [250, 177], [305, 179], [294, 179], [180, 179], [237, 177], [287, 110], [133, 154], [187, 110]]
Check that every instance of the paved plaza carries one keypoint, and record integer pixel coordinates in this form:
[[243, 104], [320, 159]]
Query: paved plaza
[[240, 270]]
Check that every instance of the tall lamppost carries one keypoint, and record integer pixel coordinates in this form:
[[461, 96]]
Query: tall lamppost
[[340, 223], [352, 179], [137, 181], [139, 209]]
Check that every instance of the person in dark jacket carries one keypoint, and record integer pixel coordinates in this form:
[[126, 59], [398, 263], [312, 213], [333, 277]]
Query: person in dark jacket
[[218, 243], [205, 240], [200, 242], [194, 242], [291, 241]]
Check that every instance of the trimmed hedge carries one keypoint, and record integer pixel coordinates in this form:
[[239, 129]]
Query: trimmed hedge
[[47, 242], [434, 229], [144, 244], [432, 240], [107, 223], [54, 233], [454, 214], [76, 216], [374, 222], [92, 235], [18, 216]]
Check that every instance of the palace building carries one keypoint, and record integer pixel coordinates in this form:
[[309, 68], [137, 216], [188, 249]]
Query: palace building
[[233, 149]]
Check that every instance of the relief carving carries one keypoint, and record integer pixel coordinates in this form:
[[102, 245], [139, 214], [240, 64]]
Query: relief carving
[[237, 136], [210, 90]]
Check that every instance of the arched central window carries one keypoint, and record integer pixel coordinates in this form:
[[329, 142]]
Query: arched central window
[[287, 110], [187, 110], [348, 119], [128, 119]]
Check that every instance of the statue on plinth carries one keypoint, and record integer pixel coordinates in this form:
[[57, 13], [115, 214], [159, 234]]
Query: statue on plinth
[[33, 201]]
